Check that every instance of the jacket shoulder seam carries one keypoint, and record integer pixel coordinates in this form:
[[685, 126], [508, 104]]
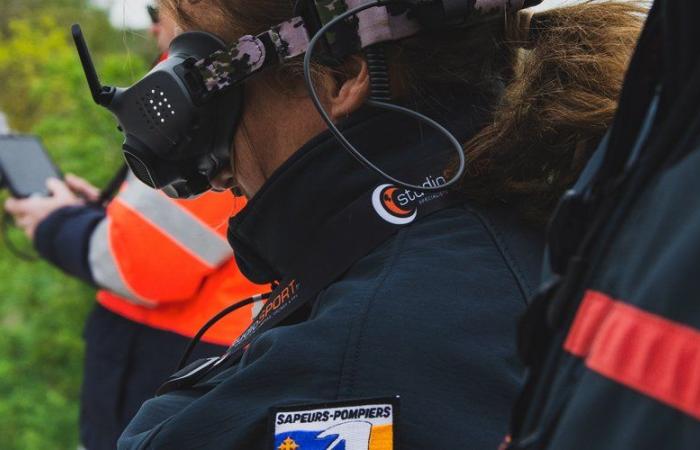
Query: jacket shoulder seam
[[350, 366], [503, 249]]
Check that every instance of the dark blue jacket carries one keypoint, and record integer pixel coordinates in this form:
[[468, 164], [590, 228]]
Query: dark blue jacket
[[429, 315], [614, 348]]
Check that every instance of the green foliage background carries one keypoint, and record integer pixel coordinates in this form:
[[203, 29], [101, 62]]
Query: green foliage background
[[43, 91]]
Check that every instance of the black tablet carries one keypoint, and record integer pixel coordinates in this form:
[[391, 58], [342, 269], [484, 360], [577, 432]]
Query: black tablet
[[25, 166]]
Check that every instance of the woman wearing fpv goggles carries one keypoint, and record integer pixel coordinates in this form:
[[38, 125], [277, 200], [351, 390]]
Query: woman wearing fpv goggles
[[397, 290]]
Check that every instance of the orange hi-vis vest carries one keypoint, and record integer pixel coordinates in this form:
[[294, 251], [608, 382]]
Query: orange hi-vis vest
[[166, 263]]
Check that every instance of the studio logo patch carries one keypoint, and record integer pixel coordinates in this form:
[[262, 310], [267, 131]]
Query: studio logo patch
[[400, 206], [365, 425], [385, 203]]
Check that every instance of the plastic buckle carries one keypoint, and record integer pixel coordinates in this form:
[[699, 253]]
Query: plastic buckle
[[192, 78], [533, 330], [190, 375], [566, 229]]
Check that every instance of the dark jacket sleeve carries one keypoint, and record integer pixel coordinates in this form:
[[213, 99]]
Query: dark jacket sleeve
[[428, 317], [63, 239]]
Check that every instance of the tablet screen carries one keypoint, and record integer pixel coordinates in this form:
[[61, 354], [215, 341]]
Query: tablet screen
[[25, 166]]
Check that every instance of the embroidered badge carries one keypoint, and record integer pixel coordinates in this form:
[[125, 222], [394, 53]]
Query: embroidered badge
[[358, 425]]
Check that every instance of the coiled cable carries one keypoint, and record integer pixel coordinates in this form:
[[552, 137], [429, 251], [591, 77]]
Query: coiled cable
[[382, 91]]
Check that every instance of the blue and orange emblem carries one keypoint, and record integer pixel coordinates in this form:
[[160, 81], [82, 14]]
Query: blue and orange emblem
[[366, 426]]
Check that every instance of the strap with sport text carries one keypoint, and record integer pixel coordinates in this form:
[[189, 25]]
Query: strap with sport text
[[347, 237]]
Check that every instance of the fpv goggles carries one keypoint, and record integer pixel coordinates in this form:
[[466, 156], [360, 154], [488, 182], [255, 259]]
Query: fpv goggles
[[179, 120]]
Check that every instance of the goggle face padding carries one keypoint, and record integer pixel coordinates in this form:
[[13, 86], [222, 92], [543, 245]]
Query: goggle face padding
[[179, 120]]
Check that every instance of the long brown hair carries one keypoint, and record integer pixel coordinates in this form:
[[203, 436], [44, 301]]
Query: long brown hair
[[551, 82], [556, 108]]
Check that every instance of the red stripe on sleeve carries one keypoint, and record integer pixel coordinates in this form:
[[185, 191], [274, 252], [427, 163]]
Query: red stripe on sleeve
[[594, 308], [645, 352]]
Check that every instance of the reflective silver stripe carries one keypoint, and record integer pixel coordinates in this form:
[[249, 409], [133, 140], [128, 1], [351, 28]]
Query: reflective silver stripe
[[257, 306], [184, 228], [104, 268]]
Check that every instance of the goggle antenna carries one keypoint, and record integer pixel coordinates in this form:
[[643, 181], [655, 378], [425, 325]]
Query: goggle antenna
[[101, 94]]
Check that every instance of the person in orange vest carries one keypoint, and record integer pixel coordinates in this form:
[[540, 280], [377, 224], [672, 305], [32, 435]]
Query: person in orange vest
[[163, 268]]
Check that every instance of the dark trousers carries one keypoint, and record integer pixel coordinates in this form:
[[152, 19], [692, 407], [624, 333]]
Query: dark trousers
[[125, 363]]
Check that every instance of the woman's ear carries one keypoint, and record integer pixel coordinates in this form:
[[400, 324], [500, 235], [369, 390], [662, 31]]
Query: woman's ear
[[352, 92]]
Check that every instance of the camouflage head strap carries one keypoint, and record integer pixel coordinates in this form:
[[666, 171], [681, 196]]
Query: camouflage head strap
[[289, 39]]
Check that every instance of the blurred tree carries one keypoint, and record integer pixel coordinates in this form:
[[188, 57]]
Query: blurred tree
[[43, 91], [103, 37], [34, 32], [12, 9]]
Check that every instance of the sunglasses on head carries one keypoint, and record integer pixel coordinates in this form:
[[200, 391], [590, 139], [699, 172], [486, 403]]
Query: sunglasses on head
[[153, 13]]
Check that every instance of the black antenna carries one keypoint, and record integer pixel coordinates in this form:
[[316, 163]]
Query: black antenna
[[101, 94]]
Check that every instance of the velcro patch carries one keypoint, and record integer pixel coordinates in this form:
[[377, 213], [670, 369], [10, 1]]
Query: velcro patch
[[355, 425]]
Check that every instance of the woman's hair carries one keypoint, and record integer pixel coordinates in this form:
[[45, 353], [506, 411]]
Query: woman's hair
[[548, 85], [556, 108]]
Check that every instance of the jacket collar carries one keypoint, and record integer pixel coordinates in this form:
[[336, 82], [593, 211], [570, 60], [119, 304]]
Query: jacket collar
[[319, 180]]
